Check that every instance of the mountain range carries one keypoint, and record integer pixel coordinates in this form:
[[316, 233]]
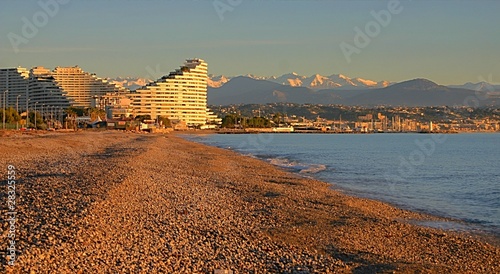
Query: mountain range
[[416, 92], [316, 81], [336, 89]]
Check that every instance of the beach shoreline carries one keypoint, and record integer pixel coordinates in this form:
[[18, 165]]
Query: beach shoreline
[[297, 166], [196, 208]]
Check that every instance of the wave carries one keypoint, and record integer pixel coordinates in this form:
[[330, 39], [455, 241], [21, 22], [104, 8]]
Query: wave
[[296, 166], [314, 169]]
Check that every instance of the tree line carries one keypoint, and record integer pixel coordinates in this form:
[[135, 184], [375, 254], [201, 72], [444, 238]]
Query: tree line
[[233, 121]]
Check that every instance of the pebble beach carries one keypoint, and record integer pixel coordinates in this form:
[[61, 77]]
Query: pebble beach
[[116, 202]]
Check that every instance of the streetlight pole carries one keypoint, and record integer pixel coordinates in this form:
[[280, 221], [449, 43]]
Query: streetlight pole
[[5, 106], [17, 110], [35, 114], [3, 109], [3, 116], [53, 116], [59, 116], [63, 124], [50, 121], [42, 113], [49, 114], [27, 114]]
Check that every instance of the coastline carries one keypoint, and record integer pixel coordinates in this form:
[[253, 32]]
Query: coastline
[[201, 208], [257, 147]]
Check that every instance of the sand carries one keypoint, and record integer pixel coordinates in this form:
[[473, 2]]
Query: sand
[[116, 202]]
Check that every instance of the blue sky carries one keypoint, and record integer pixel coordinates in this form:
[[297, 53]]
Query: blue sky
[[449, 42]]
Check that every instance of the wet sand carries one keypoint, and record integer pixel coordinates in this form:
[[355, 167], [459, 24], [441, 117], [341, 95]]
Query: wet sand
[[113, 202]]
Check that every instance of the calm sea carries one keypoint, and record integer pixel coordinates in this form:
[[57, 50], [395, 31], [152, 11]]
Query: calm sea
[[455, 175]]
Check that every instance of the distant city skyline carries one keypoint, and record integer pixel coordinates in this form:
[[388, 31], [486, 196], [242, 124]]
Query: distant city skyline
[[448, 42]]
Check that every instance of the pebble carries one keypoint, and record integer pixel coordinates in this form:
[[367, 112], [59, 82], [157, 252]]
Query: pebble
[[166, 205]]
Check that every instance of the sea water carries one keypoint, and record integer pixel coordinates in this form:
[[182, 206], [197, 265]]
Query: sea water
[[453, 175]]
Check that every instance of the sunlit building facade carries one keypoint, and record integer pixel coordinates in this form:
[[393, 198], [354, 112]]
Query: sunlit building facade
[[82, 88], [61, 88], [44, 91], [181, 95]]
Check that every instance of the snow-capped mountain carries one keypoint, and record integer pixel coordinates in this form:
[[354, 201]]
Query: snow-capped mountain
[[416, 92], [216, 81], [316, 81], [131, 83]]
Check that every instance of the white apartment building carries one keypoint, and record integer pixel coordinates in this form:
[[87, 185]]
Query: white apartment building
[[60, 88], [44, 91], [82, 87], [181, 95], [14, 86]]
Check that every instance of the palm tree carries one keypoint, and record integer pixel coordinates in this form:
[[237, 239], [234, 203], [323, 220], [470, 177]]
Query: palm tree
[[71, 116], [95, 113]]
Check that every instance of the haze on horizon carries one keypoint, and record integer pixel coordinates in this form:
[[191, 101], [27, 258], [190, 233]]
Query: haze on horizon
[[449, 42]]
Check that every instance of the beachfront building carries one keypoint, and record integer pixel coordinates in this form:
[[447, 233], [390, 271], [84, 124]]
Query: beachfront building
[[14, 87], [44, 91], [59, 88], [82, 87], [179, 96]]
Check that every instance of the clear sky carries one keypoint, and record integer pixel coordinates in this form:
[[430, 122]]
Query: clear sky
[[449, 42]]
